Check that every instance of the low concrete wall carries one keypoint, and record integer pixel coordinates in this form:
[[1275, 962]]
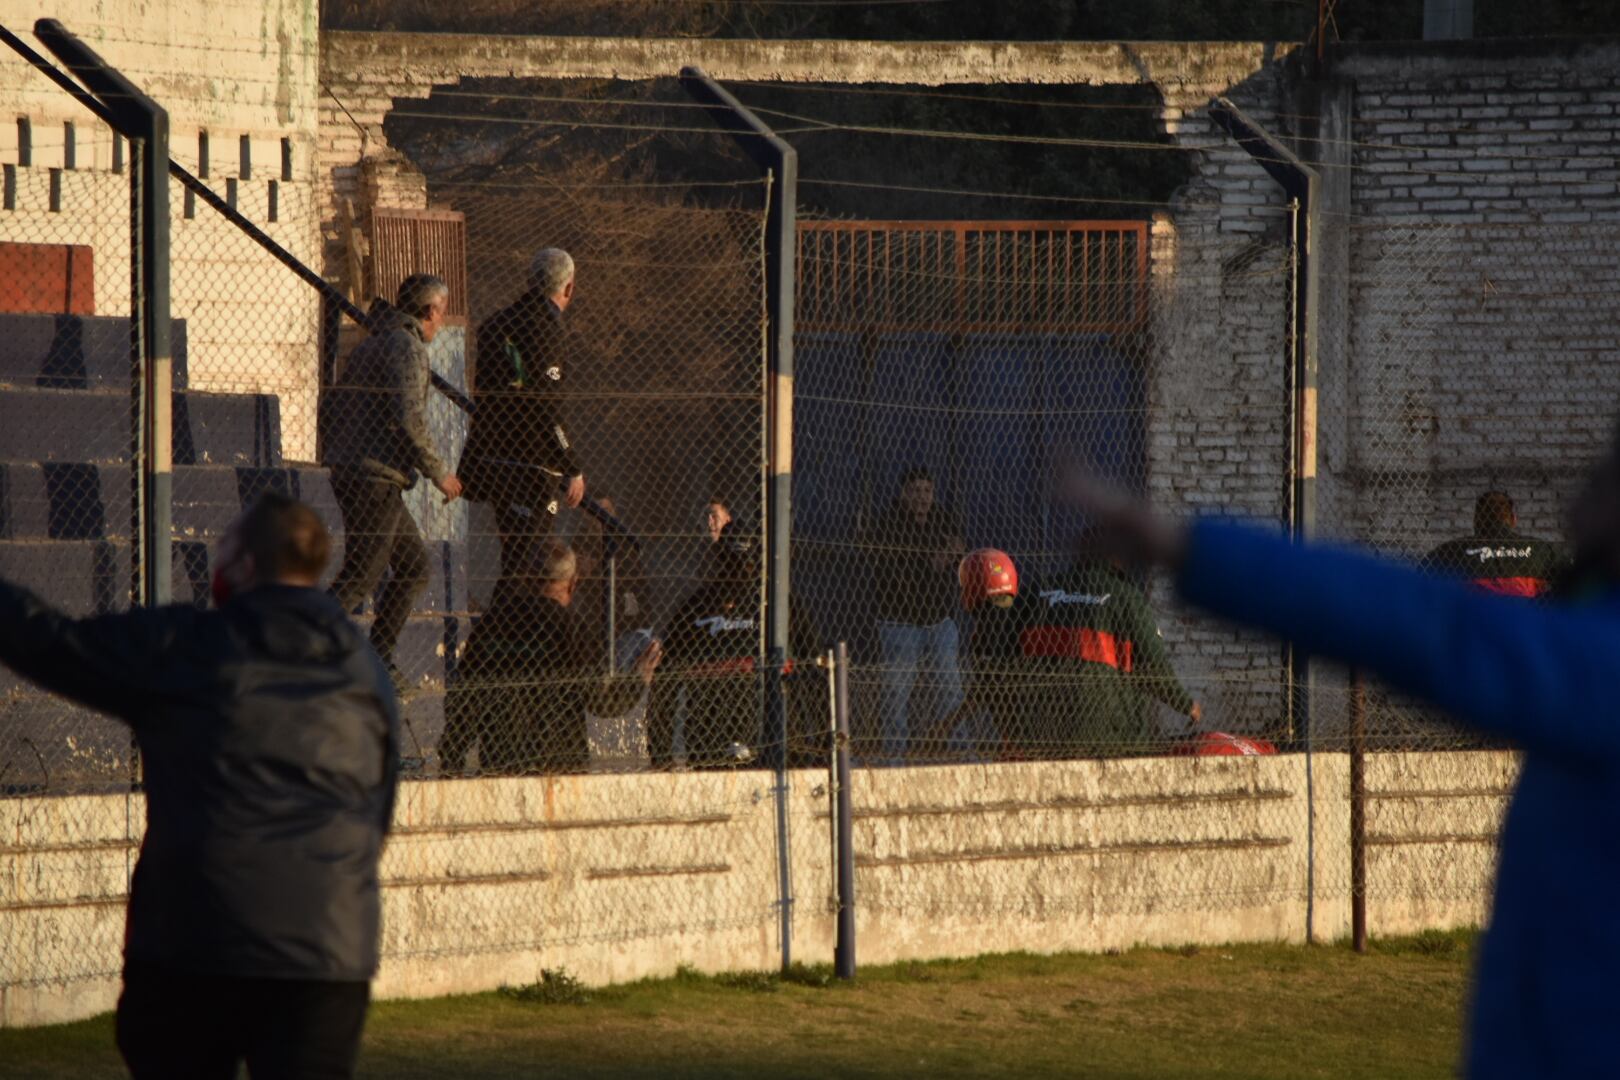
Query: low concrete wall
[[488, 882]]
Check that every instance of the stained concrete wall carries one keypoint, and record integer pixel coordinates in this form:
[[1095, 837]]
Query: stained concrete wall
[[228, 70], [488, 882]]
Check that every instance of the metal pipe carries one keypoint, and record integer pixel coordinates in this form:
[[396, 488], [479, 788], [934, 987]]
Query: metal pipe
[[844, 952], [1301, 183], [780, 164], [146, 124], [1358, 812]]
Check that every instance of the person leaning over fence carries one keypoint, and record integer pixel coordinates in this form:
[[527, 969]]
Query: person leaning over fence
[[1096, 659], [375, 439], [269, 745], [1541, 675], [518, 453], [531, 669], [1497, 557], [914, 549]]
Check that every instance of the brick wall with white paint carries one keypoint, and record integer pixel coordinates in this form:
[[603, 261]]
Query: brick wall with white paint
[[1484, 286]]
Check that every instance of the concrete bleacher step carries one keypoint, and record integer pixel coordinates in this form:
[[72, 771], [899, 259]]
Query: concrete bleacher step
[[95, 426], [76, 352], [75, 501]]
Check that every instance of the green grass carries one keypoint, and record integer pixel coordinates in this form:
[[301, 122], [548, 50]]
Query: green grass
[[1249, 1011]]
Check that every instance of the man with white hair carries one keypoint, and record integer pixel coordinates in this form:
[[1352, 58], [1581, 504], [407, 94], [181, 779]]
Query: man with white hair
[[518, 457], [531, 672]]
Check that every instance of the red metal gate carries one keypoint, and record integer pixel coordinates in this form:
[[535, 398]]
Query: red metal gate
[[973, 276]]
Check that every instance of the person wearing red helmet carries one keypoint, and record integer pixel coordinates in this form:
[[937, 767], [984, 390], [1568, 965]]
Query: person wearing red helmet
[[993, 678]]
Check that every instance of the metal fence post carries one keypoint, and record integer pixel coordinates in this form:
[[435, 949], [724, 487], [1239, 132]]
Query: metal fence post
[[844, 952], [1300, 182], [146, 124], [780, 163], [1358, 812]]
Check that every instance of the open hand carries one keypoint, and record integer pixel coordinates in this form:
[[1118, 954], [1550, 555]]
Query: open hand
[[648, 661]]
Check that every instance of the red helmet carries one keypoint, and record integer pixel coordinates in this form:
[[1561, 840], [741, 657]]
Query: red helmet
[[987, 574]]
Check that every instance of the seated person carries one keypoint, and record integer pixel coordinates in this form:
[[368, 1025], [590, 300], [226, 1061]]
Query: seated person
[[530, 671], [712, 692]]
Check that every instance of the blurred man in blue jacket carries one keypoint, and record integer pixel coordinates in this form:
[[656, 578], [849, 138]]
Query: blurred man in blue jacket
[[1546, 677]]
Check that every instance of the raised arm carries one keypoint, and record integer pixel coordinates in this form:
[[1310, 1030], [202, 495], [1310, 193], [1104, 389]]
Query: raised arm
[[113, 663], [1543, 676]]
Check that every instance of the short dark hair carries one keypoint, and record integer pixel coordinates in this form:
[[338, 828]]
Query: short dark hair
[[916, 472], [286, 538], [1493, 514], [417, 293]]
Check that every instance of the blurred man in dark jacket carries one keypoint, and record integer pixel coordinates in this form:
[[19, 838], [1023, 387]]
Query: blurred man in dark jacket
[[374, 436], [1497, 557], [269, 745], [531, 670], [518, 455]]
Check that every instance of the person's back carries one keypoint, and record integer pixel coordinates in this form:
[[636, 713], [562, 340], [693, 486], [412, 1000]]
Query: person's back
[[531, 672], [372, 420], [1090, 632], [515, 690], [269, 748], [269, 742], [1496, 557]]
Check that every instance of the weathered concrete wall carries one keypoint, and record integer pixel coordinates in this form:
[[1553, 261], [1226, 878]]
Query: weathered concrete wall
[[232, 71], [487, 882]]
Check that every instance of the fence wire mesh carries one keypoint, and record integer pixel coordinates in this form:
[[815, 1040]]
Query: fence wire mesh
[[69, 527], [947, 373], [515, 625]]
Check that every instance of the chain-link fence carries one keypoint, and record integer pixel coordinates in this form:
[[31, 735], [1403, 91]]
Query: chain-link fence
[[950, 375], [1031, 762], [947, 372], [70, 462], [517, 626]]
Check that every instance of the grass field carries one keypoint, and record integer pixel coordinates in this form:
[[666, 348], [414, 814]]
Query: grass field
[[1250, 1011]]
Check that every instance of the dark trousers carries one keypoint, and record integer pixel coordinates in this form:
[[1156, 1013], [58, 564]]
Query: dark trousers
[[175, 1026], [523, 530], [379, 534]]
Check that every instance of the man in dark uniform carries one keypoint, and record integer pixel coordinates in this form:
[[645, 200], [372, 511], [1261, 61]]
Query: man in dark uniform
[[1498, 558], [713, 646], [518, 455], [531, 670], [1096, 661], [269, 739]]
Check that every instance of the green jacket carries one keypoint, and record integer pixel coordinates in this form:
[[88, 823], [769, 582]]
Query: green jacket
[[1071, 668]]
